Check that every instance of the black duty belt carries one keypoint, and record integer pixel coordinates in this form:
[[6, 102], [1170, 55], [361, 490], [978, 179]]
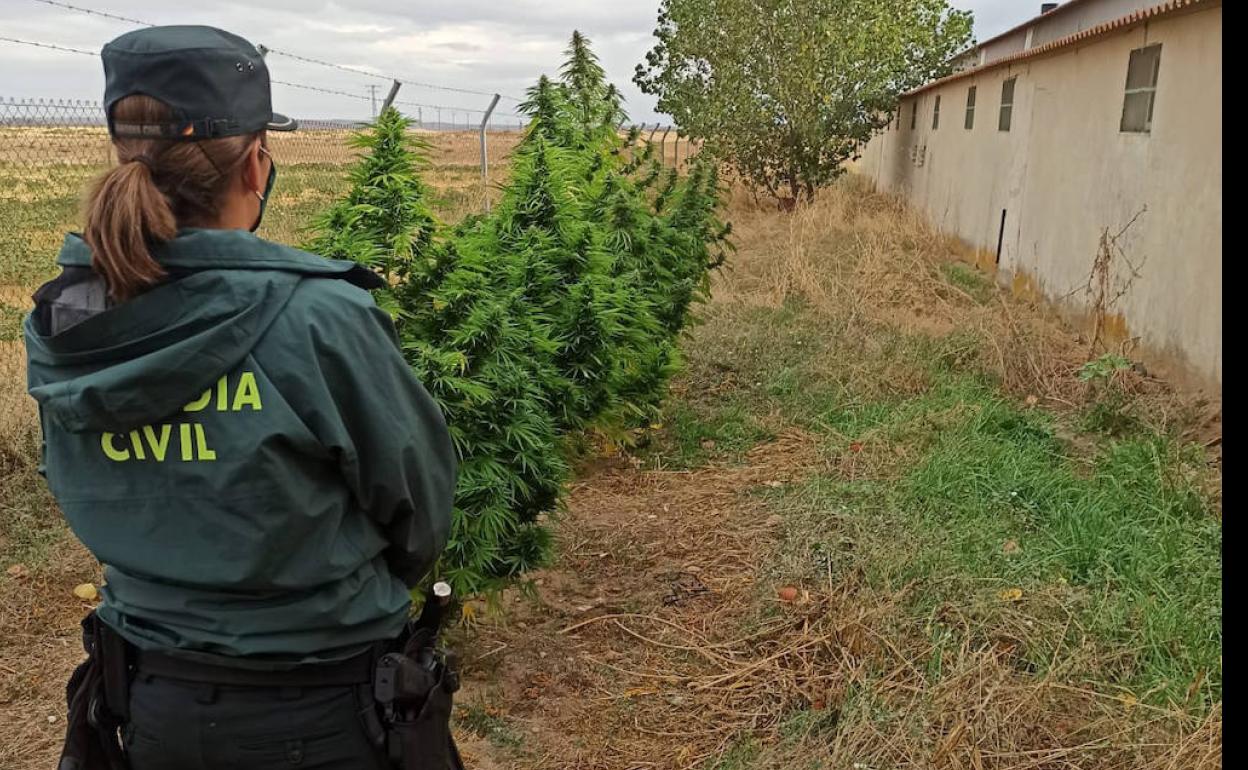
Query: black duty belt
[[352, 671]]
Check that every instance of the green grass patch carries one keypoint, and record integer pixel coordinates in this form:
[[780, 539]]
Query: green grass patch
[[31, 527], [969, 280], [693, 437], [741, 755], [489, 725], [965, 493], [10, 322]]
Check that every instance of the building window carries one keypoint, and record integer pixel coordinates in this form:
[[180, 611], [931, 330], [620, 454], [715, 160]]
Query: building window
[[970, 108], [1137, 105], [914, 113], [936, 114], [1007, 105]]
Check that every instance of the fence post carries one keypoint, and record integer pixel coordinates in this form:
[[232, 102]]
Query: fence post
[[394, 91], [663, 145], [485, 154]]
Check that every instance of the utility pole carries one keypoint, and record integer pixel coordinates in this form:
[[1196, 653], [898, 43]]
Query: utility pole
[[372, 92]]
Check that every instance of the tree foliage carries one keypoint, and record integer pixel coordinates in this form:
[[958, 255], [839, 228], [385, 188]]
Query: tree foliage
[[787, 90]]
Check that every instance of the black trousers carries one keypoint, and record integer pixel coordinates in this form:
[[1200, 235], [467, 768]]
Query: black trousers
[[177, 725]]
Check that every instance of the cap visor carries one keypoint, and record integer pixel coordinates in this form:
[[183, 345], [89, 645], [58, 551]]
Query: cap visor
[[281, 123]]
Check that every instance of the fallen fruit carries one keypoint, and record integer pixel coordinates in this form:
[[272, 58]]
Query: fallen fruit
[[787, 593], [87, 592]]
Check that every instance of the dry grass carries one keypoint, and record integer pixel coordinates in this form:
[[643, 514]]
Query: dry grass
[[39, 639], [38, 146], [868, 260], [18, 416], [657, 640]]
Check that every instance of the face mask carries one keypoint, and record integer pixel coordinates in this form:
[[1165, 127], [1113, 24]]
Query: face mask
[[268, 190]]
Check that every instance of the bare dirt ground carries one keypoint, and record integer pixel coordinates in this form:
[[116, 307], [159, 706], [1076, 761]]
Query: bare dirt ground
[[626, 654], [643, 555]]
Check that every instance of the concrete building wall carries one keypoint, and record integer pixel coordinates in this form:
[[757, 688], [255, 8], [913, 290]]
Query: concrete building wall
[[1064, 173], [1082, 15], [1004, 46]]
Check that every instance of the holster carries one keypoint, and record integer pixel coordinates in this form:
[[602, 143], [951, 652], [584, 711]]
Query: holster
[[98, 701], [415, 689]]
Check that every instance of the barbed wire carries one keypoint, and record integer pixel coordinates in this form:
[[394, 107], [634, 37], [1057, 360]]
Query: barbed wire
[[290, 84], [94, 12], [51, 46], [379, 76], [287, 54], [360, 97], [322, 90], [455, 109]]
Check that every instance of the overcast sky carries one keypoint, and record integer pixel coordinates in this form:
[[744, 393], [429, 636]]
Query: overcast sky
[[482, 45]]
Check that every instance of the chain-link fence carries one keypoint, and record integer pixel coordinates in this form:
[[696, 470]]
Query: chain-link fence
[[51, 149]]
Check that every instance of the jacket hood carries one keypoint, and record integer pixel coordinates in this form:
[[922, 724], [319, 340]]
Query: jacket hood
[[141, 361]]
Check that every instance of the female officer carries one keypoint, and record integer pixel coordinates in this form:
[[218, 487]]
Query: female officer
[[231, 430]]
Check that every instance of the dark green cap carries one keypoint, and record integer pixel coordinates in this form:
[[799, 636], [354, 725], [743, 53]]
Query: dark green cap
[[216, 83]]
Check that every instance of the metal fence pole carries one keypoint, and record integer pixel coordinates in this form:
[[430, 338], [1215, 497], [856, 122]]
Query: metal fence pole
[[485, 154], [394, 91]]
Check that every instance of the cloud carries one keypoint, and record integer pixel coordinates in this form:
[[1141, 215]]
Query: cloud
[[480, 45]]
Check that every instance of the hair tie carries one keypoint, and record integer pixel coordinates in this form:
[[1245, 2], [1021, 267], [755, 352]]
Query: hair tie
[[143, 158]]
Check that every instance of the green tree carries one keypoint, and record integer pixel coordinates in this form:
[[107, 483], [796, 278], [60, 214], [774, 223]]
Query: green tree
[[787, 90]]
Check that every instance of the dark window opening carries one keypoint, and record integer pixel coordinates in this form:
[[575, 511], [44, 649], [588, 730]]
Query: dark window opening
[[1141, 91], [1007, 105]]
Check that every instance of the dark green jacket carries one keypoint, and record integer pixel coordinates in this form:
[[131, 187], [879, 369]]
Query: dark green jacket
[[243, 448]]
